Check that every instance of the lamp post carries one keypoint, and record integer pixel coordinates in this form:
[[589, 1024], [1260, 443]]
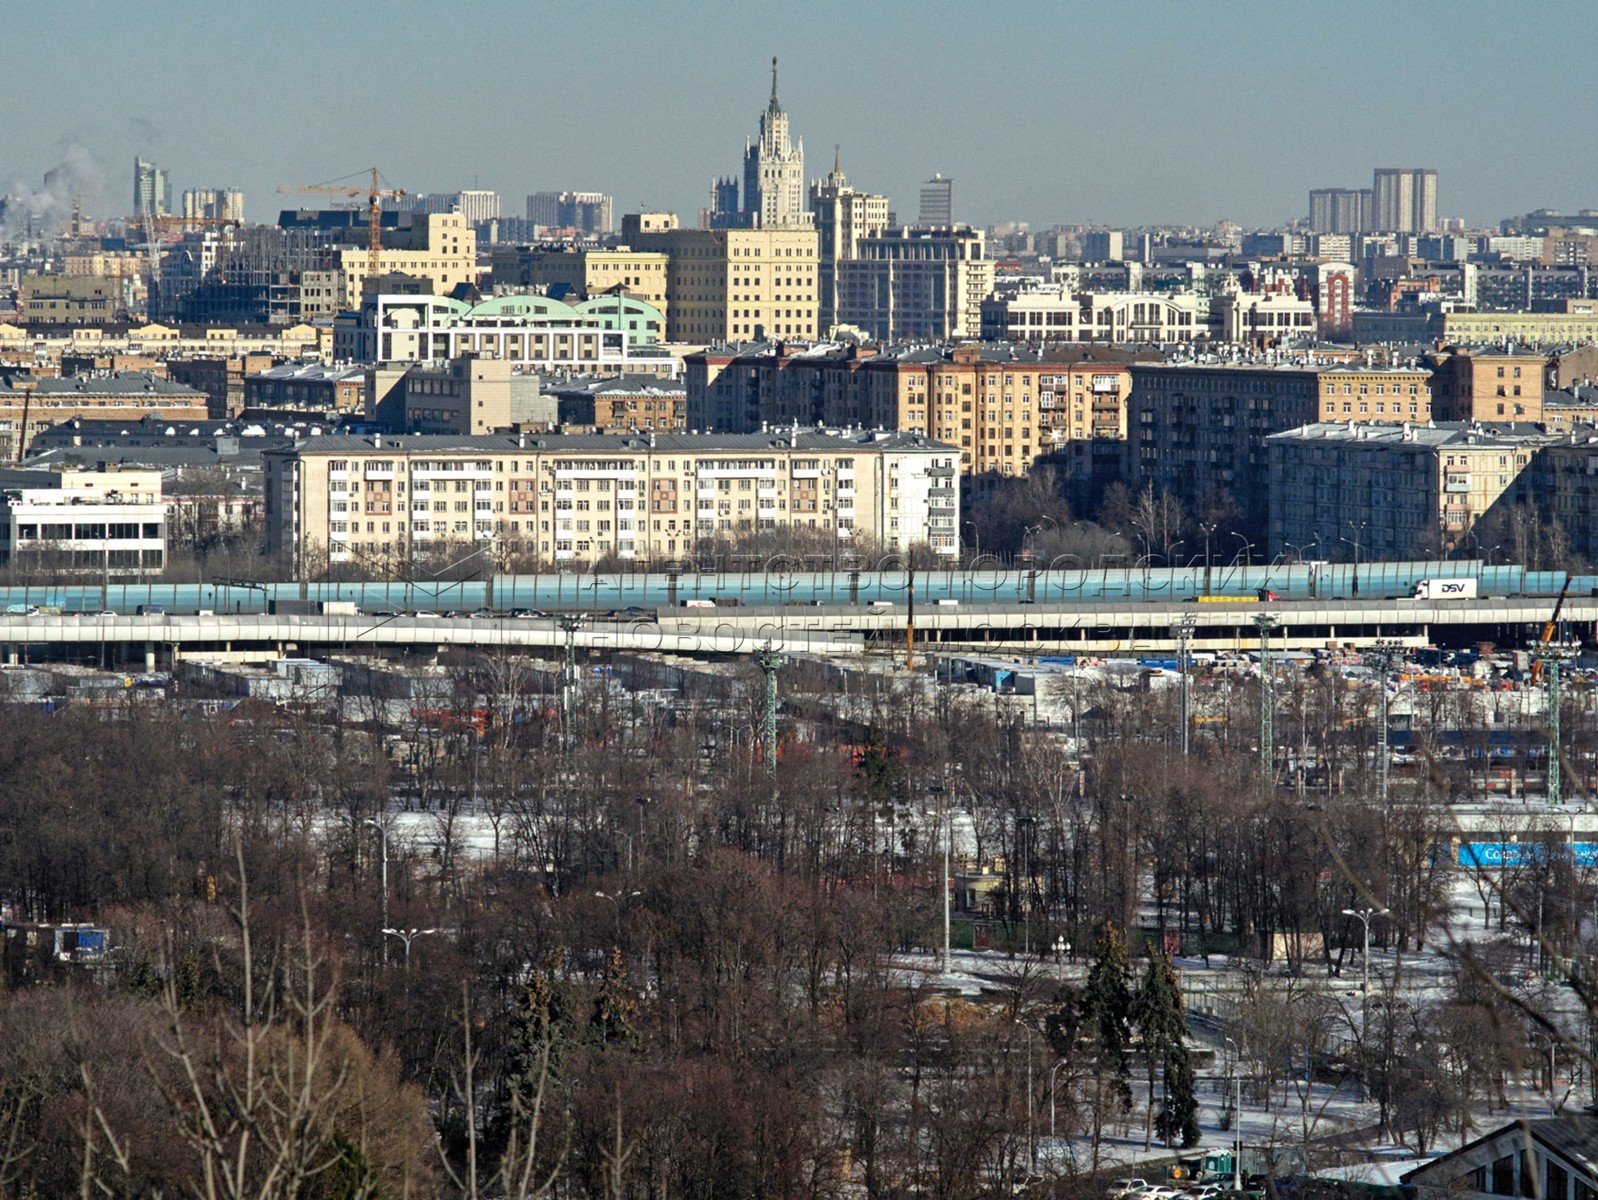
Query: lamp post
[[382, 831], [1237, 1116], [1365, 915], [1358, 529], [407, 936], [1182, 630], [618, 900], [1381, 656], [1248, 555], [1207, 529]]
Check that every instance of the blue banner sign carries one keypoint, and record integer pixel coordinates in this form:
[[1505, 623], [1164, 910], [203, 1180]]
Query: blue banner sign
[[1525, 854]]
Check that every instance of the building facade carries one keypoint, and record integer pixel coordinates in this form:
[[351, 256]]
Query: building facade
[[105, 523], [214, 204], [69, 300], [1487, 384], [307, 387], [1340, 210], [1398, 490], [733, 285], [584, 212], [1404, 200], [28, 405], [152, 190], [1055, 313], [588, 273], [574, 499], [1002, 407], [531, 331], [915, 284], [621, 404], [937, 203], [842, 217]]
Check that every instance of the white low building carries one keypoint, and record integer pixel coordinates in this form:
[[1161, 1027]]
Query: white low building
[[597, 335], [103, 522]]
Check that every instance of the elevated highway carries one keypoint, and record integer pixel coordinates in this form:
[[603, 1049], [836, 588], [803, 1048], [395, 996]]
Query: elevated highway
[[1104, 628]]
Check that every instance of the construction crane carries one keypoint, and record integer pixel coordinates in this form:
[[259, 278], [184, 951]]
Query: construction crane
[[374, 210], [1549, 630], [154, 223]]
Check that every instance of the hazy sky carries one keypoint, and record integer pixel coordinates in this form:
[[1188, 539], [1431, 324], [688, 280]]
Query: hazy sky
[[1117, 110]]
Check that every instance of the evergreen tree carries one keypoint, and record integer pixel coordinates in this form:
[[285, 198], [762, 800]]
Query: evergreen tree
[[1163, 1026], [615, 1009], [1107, 1016]]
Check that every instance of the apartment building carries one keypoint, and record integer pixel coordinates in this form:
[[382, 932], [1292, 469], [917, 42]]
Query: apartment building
[[104, 523], [1002, 406], [732, 285], [165, 341], [439, 247], [842, 216], [1368, 392], [915, 284], [1404, 200], [467, 396], [220, 377], [53, 299], [1487, 384], [1398, 490], [307, 387], [585, 212], [621, 403], [1263, 320], [576, 499], [1057, 313], [588, 273], [29, 404], [532, 331]]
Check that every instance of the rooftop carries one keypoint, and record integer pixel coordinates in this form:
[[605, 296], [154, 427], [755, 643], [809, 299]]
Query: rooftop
[[681, 443], [1433, 434]]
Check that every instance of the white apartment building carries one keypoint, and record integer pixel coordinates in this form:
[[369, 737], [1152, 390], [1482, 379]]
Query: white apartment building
[[380, 500], [102, 523], [1055, 313]]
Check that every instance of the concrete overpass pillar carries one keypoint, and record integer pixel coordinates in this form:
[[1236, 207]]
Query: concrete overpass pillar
[[11, 655], [149, 656]]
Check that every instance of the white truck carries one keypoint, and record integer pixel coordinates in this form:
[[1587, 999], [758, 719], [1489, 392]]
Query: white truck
[[1445, 589]]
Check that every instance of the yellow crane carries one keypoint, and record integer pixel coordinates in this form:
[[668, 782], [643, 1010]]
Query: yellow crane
[[374, 210]]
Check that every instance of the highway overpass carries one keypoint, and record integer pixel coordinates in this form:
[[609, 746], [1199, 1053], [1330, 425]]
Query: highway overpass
[[1114, 628]]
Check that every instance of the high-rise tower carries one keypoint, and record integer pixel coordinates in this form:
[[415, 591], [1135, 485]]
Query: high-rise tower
[[774, 174]]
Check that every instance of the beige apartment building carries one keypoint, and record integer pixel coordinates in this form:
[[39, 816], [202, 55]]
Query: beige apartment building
[[1487, 384], [440, 247], [168, 341], [29, 404], [1001, 406], [588, 272], [734, 285], [379, 501], [1383, 395], [55, 299]]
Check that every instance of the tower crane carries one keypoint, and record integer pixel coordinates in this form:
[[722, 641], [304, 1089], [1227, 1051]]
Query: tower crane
[[374, 209], [225, 224]]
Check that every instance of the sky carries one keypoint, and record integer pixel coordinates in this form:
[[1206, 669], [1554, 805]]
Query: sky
[[1124, 112]]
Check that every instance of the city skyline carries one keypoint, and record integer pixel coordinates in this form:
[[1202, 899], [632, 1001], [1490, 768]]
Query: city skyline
[[1092, 133]]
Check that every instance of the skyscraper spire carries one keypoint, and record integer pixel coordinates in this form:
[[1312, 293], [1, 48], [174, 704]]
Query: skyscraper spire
[[774, 108]]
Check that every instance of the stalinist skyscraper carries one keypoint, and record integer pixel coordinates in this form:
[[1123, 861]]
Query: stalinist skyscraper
[[774, 177]]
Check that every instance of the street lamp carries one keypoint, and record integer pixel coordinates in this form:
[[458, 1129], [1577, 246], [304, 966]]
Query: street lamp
[[408, 936], [1207, 528], [1358, 529], [382, 830], [1237, 1116], [1365, 915], [1248, 555], [618, 900], [1182, 631]]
